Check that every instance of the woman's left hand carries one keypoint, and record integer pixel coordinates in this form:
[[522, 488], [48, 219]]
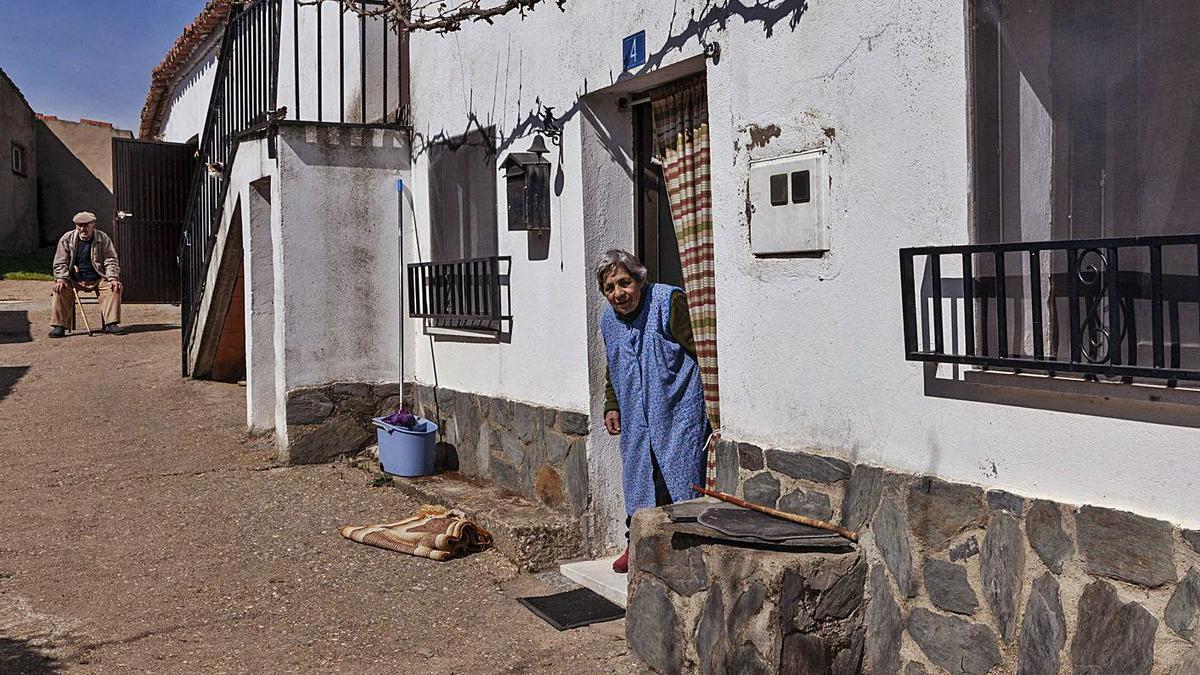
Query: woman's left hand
[[612, 422]]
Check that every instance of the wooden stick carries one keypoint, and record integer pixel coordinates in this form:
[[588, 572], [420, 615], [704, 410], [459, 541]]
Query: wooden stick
[[803, 520], [82, 311]]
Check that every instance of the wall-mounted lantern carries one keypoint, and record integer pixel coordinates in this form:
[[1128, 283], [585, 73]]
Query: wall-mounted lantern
[[527, 185]]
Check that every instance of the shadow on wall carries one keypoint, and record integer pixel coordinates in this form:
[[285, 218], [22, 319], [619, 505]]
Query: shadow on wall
[[324, 145], [14, 326], [715, 14], [1136, 403], [65, 187], [19, 656]]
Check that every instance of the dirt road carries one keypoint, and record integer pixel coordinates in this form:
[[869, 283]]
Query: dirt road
[[142, 531]]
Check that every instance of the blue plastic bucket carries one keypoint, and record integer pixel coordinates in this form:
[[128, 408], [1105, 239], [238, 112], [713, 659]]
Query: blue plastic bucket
[[403, 452]]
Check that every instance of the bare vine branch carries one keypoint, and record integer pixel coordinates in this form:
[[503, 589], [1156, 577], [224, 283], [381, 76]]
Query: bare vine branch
[[438, 16]]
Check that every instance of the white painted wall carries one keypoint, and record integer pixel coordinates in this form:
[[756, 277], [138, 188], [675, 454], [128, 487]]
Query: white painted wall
[[252, 163], [259, 284], [320, 257], [338, 64], [341, 96], [606, 134], [187, 106], [335, 253], [811, 350]]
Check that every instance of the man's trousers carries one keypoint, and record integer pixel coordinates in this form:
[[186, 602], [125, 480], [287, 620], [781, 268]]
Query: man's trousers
[[62, 311]]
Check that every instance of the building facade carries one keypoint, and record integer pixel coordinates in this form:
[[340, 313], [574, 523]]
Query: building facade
[[19, 176], [76, 172], [944, 123], [947, 266], [290, 245]]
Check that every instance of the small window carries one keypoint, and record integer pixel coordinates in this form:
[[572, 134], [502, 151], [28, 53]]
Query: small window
[[462, 197], [463, 227], [18, 159]]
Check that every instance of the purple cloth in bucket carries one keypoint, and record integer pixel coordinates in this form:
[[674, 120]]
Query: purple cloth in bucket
[[403, 419]]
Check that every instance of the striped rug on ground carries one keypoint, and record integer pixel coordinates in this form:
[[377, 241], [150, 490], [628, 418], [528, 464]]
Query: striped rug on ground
[[435, 532]]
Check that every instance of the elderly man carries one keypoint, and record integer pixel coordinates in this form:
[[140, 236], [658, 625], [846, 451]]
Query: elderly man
[[86, 259]]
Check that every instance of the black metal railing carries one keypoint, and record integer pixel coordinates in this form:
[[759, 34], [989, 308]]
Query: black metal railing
[[377, 64], [460, 289], [1119, 307], [243, 95]]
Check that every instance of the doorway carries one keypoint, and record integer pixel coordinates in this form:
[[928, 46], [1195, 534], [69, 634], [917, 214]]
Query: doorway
[[674, 216], [644, 159], [151, 180], [657, 245]]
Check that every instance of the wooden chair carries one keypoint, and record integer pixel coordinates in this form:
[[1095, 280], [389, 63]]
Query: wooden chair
[[85, 296]]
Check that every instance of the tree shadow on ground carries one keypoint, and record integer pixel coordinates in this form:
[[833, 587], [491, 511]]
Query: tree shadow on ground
[[20, 656]]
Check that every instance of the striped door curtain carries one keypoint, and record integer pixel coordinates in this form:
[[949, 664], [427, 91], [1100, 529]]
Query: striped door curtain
[[681, 137]]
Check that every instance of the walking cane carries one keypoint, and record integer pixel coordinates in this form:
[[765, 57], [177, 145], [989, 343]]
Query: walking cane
[[795, 518], [79, 303], [82, 312]]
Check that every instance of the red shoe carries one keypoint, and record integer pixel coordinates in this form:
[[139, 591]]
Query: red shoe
[[621, 565]]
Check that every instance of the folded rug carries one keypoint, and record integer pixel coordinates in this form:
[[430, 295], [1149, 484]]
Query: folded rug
[[435, 532]]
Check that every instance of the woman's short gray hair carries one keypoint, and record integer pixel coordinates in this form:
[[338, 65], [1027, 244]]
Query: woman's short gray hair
[[615, 258]]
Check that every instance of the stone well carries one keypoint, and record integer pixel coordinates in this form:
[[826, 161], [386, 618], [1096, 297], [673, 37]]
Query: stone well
[[699, 605]]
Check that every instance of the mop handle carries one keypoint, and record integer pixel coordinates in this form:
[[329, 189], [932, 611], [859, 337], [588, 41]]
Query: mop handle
[[803, 520]]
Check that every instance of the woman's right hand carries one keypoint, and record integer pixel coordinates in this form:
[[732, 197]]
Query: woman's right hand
[[612, 422]]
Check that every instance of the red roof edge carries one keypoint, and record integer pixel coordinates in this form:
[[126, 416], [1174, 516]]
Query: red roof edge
[[211, 19]]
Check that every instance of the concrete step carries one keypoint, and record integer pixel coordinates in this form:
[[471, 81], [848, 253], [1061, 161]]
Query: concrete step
[[598, 575], [532, 536]]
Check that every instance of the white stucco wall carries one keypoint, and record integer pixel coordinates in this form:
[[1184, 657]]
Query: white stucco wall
[[320, 244], [258, 264], [252, 163], [338, 62], [811, 349], [336, 301], [187, 106], [341, 89]]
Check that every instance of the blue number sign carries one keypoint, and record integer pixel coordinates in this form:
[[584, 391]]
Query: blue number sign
[[633, 50]]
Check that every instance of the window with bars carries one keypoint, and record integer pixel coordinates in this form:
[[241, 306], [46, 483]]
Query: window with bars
[[1085, 139], [461, 286]]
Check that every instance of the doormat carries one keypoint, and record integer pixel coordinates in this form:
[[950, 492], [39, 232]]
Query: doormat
[[574, 608]]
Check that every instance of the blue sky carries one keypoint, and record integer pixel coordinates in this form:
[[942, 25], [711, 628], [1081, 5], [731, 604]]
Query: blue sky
[[89, 58]]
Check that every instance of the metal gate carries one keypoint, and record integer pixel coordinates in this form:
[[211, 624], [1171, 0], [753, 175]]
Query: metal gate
[[150, 183]]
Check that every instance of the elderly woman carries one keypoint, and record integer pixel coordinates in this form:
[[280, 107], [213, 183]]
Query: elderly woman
[[654, 399]]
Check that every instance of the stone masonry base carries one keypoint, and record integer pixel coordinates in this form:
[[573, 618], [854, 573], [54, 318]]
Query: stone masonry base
[[956, 579], [325, 422], [537, 452], [699, 606]]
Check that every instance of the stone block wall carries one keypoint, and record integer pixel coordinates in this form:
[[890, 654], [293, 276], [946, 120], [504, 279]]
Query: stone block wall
[[325, 422], [537, 452], [962, 579]]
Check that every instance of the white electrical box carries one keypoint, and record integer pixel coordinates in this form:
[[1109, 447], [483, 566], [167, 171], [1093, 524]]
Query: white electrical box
[[788, 204]]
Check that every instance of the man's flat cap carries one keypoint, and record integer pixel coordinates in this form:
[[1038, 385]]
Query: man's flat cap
[[84, 217]]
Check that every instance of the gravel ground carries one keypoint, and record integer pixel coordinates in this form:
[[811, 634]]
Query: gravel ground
[[144, 531]]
